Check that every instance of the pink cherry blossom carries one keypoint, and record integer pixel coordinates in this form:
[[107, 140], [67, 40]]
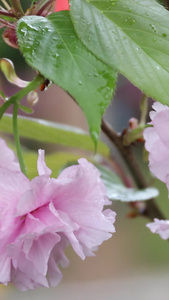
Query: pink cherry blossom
[[161, 227], [39, 218], [157, 141]]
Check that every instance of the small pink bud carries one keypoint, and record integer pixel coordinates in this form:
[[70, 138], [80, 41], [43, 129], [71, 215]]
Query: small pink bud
[[9, 37], [133, 123], [32, 98]]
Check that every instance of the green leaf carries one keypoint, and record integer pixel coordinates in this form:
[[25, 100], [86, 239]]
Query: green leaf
[[130, 35], [117, 191], [51, 46], [26, 109], [50, 132]]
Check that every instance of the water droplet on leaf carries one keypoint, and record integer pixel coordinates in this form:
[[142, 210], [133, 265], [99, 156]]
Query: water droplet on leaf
[[153, 27]]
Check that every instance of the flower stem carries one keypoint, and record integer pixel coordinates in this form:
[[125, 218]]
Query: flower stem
[[144, 109], [41, 6], [7, 23], [6, 4], [49, 2], [6, 13], [21, 94], [15, 100], [16, 138], [17, 7]]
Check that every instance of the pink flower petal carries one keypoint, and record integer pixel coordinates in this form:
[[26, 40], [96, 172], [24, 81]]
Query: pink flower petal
[[36, 196], [7, 157], [41, 248], [57, 257], [160, 227], [5, 272], [31, 278], [160, 123], [12, 185], [42, 167], [39, 218], [157, 141]]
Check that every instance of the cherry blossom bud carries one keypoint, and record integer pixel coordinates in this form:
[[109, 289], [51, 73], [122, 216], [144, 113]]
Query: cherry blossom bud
[[32, 98], [9, 37], [133, 123]]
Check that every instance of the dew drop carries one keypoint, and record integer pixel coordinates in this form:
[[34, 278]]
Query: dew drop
[[80, 82], [152, 27], [164, 35], [24, 31], [113, 2], [138, 50], [154, 40], [130, 20]]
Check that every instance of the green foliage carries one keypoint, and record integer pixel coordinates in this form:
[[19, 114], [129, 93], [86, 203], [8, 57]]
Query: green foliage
[[50, 132], [26, 109], [51, 46], [116, 190], [131, 36]]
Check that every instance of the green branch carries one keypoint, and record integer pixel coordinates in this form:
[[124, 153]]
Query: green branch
[[144, 109], [15, 100], [39, 79], [151, 210]]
